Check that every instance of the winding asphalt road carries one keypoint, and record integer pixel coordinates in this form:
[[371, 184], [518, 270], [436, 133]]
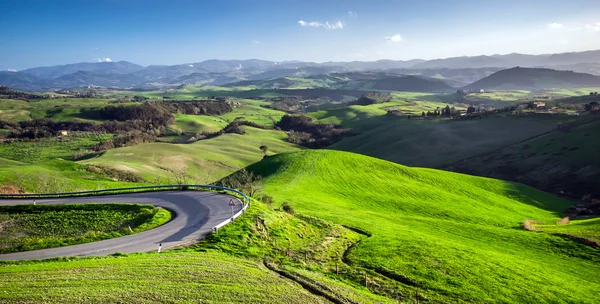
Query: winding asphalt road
[[195, 214]]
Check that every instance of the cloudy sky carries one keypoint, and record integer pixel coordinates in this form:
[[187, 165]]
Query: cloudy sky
[[44, 32]]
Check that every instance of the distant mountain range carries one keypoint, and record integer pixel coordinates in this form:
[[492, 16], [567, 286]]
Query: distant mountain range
[[456, 71]]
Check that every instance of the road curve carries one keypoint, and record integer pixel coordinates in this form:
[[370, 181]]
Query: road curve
[[196, 213]]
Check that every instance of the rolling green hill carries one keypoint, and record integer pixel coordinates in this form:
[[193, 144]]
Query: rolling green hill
[[204, 161], [435, 143], [534, 79], [362, 81], [566, 160], [456, 237]]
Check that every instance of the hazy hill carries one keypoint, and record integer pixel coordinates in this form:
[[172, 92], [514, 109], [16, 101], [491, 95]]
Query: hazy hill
[[461, 62], [120, 67], [20, 80], [364, 81], [456, 71], [534, 78]]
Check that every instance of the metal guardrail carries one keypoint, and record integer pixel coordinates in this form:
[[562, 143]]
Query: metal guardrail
[[245, 203]]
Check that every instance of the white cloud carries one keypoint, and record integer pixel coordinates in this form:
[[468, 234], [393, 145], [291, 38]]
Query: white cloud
[[554, 26], [562, 41], [330, 26], [395, 38], [103, 59], [191, 65], [94, 49], [255, 41], [593, 27], [11, 70], [352, 14]]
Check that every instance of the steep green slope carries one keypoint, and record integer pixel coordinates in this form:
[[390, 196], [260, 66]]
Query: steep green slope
[[455, 236], [566, 160], [434, 143]]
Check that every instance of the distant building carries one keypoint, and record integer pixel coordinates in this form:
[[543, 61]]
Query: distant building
[[63, 132], [539, 104]]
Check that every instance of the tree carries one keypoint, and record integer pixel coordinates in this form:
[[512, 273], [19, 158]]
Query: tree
[[470, 109], [264, 148], [423, 114]]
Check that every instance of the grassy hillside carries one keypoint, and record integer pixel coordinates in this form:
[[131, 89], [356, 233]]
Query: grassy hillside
[[534, 79], [204, 161], [56, 176], [455, 236], [434, 143], [564, 160]]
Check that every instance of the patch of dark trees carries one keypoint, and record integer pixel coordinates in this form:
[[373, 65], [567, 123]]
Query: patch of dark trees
[[303, 131], [149, 119], [372, 98], [13, 94], [233, 127], [294, 104], [201, 107], [593, 106]]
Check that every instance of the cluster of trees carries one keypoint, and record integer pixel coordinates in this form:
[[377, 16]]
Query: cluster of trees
[[147, 112], [44, 127], [593, 93], [372, 98], [12, 94], [446, 112], [125, 140], [303, 131], [485, 113], [233, 127], [289, 104], [592, 106], [202, 107], [149, 118]]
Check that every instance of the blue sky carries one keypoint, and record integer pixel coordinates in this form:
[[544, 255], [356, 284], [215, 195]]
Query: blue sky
[[50, 32]]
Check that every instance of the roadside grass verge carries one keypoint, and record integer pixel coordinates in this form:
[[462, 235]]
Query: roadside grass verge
[[32, 227]]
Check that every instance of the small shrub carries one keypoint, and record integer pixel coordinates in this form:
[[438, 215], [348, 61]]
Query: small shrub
[[267, 200], [286, 207]]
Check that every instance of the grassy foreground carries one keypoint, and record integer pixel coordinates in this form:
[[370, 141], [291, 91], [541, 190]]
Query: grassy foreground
[[457, 237], [31, 227], [149, 278]]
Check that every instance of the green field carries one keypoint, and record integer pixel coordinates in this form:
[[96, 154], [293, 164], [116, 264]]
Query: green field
[[205, 161], [55, 176], [59, 109], [31, 227], [585, 228], [51, 148], [149, 278], [457, 237]]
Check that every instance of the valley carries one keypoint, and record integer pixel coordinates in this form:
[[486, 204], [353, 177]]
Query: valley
[[358, 179]]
